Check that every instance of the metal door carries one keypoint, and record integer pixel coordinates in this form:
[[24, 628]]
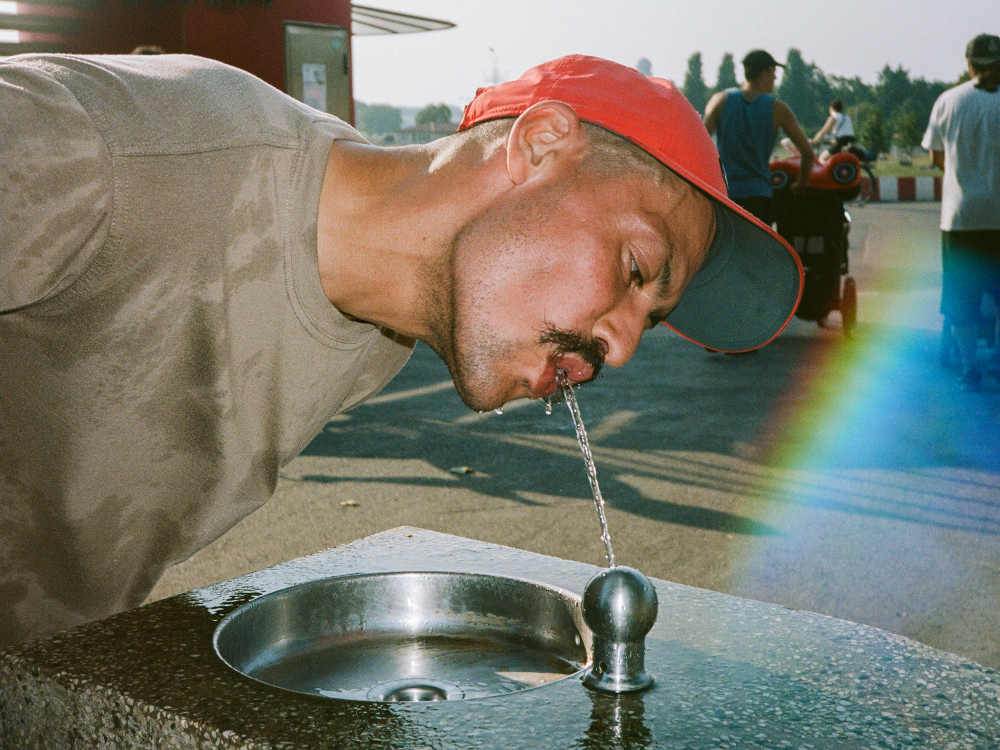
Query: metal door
[[317, 67]]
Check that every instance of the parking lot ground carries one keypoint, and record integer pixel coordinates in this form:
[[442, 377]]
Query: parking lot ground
[[847, 477]]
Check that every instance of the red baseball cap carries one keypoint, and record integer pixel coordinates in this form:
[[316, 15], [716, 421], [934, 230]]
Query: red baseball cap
[[750, 283]]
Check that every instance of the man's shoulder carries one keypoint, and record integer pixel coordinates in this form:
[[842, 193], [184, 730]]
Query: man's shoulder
[[79, 71], [966, 99], [177, 103], [957, 93], [779, 106], [733, 94]]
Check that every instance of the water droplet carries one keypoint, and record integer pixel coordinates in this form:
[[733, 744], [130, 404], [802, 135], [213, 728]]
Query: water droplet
[[499, 410]]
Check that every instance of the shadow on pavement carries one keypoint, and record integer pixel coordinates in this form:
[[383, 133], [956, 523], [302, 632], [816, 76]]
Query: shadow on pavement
[[873, 427]]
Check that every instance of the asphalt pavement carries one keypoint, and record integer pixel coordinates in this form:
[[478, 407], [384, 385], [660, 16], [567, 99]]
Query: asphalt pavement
[[843, 476]]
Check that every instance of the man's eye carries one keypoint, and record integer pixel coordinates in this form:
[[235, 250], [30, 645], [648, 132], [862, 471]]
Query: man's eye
[[636, 273]]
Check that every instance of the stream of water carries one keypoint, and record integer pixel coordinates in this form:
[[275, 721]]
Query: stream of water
[[581, 438]]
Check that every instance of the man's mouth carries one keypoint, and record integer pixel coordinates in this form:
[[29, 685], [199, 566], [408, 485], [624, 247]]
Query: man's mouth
[[574, 371], [578, 357], [571, 368]]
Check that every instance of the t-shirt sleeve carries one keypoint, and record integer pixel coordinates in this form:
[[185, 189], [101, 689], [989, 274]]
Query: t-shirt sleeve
[[933, 139], [55, 186]]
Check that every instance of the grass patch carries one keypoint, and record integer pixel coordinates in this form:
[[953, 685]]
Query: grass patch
[[919, 165]]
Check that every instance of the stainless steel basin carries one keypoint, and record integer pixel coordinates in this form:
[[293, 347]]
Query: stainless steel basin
[[407, 637]]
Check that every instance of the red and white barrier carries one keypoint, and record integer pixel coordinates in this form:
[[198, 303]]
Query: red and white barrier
[[890, 189]]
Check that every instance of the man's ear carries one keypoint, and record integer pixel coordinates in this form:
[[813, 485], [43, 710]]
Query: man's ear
[[546, 140]]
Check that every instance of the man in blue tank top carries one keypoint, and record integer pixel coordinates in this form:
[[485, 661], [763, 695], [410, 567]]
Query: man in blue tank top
[[745, 122]]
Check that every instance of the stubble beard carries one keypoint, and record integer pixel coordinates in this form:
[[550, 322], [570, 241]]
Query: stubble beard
[[467, 342], [470, 349], [473, 353]]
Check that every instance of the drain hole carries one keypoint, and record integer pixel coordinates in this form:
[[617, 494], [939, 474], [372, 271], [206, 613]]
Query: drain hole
[[416, 690], [413, 693]]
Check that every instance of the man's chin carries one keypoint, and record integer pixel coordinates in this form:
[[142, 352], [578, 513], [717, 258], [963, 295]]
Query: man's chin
[[480, 403], [479, 397]]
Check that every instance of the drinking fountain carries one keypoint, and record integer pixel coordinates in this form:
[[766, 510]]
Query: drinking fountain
[[619, 607]]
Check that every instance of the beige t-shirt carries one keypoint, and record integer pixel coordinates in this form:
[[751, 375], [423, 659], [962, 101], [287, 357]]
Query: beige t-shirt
[[165, 344]]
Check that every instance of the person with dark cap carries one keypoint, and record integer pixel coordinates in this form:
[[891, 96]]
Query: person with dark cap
[[745, 122], [198, 272], [963, 136]]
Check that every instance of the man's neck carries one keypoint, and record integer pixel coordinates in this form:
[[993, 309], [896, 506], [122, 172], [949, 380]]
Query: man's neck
[[987, 79], [385, 217], [989, 84], [751, 91]]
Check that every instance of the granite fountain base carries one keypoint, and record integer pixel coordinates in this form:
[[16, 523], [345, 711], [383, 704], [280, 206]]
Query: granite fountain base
[[730, 673]]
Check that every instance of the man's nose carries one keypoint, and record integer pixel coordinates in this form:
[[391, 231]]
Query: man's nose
[[621, 330]]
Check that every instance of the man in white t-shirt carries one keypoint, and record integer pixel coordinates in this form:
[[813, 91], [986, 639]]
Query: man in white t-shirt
[[963, 136]]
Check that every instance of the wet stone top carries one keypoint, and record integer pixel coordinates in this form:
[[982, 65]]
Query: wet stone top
[[730, 673]]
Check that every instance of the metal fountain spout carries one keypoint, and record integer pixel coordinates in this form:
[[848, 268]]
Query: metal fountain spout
[[619, 606]]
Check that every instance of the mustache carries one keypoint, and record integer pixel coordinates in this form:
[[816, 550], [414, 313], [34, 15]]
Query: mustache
[[590, 350]]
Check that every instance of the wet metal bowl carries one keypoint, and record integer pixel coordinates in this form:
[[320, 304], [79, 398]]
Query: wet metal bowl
[[407, 637]]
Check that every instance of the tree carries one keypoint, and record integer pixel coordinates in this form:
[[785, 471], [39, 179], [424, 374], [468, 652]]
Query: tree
[[726, 78], [905, 125], [895, 109], [851, 91], [869, 126], [893, 88], [438, 113], [799, 91], [694, 84], [375, 119], [924, 94]]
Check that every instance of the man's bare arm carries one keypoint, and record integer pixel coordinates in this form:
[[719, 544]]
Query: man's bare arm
[[712, 111], [827, 127], [784, 118]]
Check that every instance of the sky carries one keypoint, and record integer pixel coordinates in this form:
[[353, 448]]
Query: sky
[[506, 37]]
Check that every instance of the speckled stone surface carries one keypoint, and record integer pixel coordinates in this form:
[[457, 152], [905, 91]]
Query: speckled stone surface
[[731, 673]]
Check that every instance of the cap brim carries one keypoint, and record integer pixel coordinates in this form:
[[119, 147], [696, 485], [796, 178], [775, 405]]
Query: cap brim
[[747, 289]]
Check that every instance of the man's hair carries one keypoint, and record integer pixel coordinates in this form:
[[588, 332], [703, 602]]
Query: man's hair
[[837, 105], [608, 155], [979, 70]]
